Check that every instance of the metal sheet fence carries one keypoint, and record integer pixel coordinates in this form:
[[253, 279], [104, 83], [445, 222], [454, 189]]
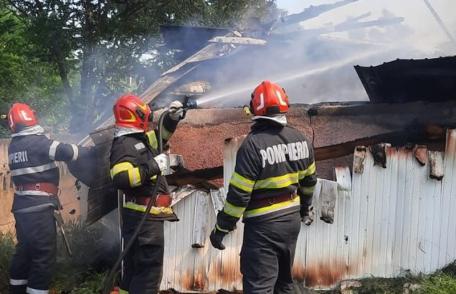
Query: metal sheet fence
[[387, 221]]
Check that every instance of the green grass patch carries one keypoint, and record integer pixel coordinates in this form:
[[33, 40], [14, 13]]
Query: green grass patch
[[385, 285], [92, 257], [6, 251], [440, 283]]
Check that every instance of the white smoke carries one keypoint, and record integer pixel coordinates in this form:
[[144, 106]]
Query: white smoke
[[314, 61], [425, 33]]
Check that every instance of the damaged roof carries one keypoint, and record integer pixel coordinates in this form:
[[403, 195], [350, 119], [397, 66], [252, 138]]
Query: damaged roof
[[334, 128], [405, 80]]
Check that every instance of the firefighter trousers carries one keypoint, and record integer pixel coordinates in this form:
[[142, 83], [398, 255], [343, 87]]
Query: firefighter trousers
[[143, 265], [267, 255], [33, 262]]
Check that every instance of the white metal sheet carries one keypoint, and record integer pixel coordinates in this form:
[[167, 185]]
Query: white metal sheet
[[388, 221]]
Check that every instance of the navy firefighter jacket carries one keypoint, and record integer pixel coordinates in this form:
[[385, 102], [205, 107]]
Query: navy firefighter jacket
[[274, 175], [32, 160]]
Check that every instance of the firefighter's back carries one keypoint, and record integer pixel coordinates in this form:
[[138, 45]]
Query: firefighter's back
[[284, 156]]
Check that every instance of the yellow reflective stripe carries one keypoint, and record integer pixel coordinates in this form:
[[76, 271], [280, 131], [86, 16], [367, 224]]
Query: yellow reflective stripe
[[242, 183], [122, 291], [152, 139], [134, 177], [233, 210], [153, 178], [308, 190], [220, 229], [165, 133], [272, 208], [120, 167], [154, 210], [277, 182], [308, 171]]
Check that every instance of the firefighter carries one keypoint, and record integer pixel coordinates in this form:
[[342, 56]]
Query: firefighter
[[32, 160], [271, 187], [135, 165]]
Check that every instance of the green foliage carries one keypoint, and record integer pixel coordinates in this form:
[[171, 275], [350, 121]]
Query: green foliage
[[86, 267], [25, 78], [6, 251], [92, 285], [439, 284], [95, 48], [384, 285], [240, 14]]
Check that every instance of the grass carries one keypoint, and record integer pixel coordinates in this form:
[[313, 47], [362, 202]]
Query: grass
[[6, 251], [94, 251], [440, 283], [385, 286]]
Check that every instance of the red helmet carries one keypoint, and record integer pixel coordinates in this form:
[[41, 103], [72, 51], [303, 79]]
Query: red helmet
[[21, 116], [268, 99], [131, 112]]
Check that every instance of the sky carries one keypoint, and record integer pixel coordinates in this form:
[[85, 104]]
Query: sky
[[427, 33]]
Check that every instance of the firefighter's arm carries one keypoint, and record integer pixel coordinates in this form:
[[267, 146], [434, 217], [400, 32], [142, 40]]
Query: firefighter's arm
[[65, 152], [307, 182], [170, 121], [240, 188], [127, 172], [239, 191], [237, 199], [167, 130]]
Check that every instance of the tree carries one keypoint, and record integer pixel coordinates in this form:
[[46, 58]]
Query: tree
[[98, 47], [24, 77]]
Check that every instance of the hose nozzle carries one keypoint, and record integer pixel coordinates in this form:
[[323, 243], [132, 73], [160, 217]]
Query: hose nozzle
[[190, 103], [247, 111]]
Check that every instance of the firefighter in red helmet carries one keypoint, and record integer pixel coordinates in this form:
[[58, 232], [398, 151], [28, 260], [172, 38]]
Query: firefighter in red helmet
[[271, 188], [135, 165], [31, 159]]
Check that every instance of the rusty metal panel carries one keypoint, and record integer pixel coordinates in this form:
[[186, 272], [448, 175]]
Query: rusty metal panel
[[387, 221], [403, 219], [188, 269], [322, 252], [200, 225], [218, 199]]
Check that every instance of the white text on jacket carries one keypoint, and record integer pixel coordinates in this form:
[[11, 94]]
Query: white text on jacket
[[18, 157], [277, 153]]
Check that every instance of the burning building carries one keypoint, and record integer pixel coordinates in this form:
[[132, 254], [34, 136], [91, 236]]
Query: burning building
[[385, 165]]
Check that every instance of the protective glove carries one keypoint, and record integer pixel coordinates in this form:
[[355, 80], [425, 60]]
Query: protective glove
[[162, 161], [216, 238], [307, 215], [176, 110]]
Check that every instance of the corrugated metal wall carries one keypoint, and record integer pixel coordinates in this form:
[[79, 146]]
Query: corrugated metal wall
[[387, 221]]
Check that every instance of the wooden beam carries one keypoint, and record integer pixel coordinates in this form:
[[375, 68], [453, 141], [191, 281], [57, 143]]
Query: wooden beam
[[238, 41]]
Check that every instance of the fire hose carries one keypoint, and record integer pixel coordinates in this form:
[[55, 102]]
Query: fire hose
[[109, 281]]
